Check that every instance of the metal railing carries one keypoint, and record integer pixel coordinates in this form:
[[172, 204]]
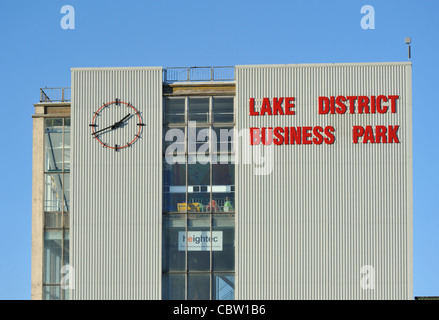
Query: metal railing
[[55, 94], [173, 74], [186, 74]]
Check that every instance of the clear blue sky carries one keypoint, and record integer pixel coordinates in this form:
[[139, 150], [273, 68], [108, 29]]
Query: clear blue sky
[[36, 52]]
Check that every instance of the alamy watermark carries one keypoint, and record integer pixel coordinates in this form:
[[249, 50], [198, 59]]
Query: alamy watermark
[[68, 20], [368, 20], [202, 143], [68, 280]]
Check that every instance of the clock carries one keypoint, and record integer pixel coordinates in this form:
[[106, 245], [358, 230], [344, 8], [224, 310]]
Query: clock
[[116, 125]]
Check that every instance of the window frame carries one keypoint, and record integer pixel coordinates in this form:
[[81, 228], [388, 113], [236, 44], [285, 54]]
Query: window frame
[[62, 216], [211, 215]]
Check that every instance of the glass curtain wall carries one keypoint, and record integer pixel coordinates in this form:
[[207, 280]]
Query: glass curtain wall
[[198, 198], [56, 205]]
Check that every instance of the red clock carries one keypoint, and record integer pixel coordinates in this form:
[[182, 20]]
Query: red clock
[[117, 125]]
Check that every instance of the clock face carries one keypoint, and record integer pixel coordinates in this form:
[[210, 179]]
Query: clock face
[[116, 125]]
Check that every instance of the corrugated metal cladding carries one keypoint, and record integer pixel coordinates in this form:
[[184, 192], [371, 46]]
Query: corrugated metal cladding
[[116, 196], [306, 230]]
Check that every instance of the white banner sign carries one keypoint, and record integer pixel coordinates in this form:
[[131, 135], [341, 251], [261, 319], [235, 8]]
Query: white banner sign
[[200, 240]]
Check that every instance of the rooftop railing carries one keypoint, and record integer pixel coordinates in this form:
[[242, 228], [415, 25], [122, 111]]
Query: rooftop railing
[[173, 74], [186, 74], [55, 94]]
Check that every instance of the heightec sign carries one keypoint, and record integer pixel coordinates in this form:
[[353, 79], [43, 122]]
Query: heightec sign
[[200, 240]]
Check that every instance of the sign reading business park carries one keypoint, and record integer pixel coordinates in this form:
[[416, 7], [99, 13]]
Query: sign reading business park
[[341, 105]]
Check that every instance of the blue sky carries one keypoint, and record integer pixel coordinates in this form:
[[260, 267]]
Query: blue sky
[[37, 52]]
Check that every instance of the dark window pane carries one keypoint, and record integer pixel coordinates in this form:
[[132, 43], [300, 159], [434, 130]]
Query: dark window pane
[[199, 140], [174, 186], [199, 185], [199, 110], [174, 174], [198, 173], [224, 139], [224, 226], [223, 286], [198, 243], [173, 247], [174, 201], [173, 287], [223, 174], [223, 110], [198, 286], [174, 111]]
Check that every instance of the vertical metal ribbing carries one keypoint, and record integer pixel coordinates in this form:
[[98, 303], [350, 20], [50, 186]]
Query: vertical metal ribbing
[[116, 197], [305, 230]]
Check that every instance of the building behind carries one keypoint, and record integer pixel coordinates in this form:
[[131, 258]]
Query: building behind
[[297, 185]]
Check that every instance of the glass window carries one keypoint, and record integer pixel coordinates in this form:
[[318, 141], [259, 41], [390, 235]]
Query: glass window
[[198, 243], [174, 174], [223, 174], [174, 201], [56, 205], [199, 110], [66, 294], [53, 143], [198, 173], [173, 286], [52, 293], [66, 248], [174, 248], [224, 139], [224, 227], [174, 111], [225, 201], [198, 185], [174, 142], [174, 186], [198, 286], [57, 192], [223, 286], [66, 192], [199, 140], [199, 199], [67, 146], [52, 257], [53, 188], [223, 110], [223, 185]]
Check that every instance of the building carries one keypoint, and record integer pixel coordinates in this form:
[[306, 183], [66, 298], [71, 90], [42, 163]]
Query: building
[[246, 182]]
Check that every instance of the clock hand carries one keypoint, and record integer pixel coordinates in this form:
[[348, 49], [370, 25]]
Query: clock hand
[[119, 123], [114, 126], [96, 132]]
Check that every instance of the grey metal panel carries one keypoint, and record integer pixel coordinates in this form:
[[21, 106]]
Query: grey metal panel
[[305, 230], [116, 196]]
